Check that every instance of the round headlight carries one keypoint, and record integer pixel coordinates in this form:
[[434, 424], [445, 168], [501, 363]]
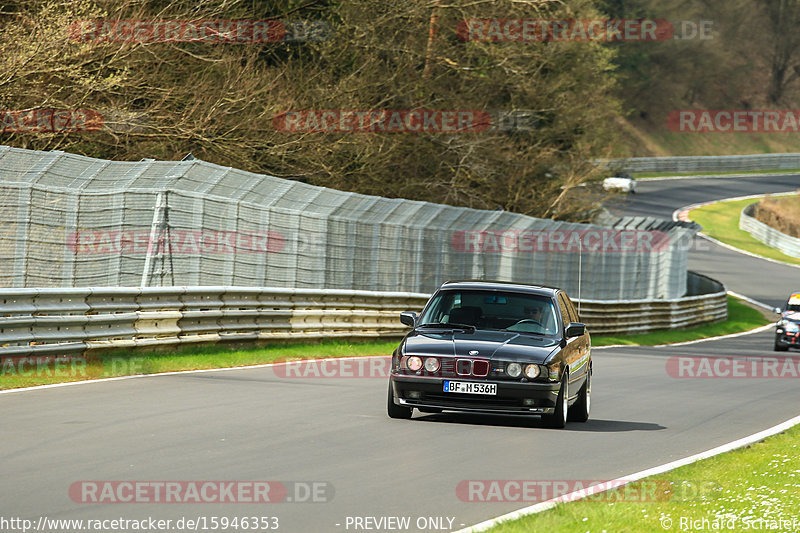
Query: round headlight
[[432, 364], [414, 363], [532, 371], [514, 370]]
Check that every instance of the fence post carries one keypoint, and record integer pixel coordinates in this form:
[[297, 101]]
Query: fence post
[[152, 242]]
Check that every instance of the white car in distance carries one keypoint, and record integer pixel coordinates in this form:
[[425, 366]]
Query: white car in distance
[[623, 183]]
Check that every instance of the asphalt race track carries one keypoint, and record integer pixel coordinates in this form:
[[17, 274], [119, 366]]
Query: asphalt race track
[[764, 281], [255, 425]]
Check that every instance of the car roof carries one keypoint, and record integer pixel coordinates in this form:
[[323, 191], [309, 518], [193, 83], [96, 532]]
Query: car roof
[[541, 290]]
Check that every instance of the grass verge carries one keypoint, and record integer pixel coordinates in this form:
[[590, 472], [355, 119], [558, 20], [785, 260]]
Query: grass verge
[[741, 317], [115, 363], [743, 490], [721, 221], [18, 372], [783, 214]]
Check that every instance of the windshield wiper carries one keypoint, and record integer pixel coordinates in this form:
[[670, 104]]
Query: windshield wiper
[[522, 331], [448, 325]]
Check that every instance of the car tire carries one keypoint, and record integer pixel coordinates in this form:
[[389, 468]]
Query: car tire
[[579, 412], [397, 411], [559, 418], [780, 347]]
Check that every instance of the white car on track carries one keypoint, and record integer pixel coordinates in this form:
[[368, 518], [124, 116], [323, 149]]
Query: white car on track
[[623, 182]]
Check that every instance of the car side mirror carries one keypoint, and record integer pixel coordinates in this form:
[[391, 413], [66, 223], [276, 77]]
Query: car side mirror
[[574, 329], [408, 318], [777, 310]]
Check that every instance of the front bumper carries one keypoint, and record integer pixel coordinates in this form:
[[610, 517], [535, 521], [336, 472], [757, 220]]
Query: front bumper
[[510, 398], [788, 339]]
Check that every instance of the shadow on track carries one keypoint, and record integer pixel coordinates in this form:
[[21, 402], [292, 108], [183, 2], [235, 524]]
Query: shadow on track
[[593, 425]]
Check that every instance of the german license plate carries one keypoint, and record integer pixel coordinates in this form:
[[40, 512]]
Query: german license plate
[[466, 387]]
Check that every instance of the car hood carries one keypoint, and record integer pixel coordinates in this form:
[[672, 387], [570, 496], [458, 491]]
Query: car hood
[[792, 316], [500, 345]]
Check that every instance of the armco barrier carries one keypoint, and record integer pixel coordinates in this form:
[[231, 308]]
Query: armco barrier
[[64, 321], [768, 235], [68, 320], [706, 303], [723, 163]]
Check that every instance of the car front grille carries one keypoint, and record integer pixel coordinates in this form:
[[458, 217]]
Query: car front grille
[[478, 368], [466, 368]]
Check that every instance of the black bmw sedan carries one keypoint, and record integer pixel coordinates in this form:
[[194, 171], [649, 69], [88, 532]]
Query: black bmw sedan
[[493, 347]]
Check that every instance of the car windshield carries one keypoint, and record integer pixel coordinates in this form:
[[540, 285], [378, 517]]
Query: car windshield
[[794, 303], [493, 310]]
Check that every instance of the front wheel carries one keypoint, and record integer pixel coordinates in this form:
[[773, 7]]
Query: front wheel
[[579, 412], [780, 347], [397, 411], [559, 418]]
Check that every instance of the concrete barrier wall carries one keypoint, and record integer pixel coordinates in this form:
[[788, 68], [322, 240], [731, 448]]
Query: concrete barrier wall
[[768, 235], [725, 163]]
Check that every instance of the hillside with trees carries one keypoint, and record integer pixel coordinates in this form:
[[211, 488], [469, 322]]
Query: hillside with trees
[[552, 106], [748, 59]]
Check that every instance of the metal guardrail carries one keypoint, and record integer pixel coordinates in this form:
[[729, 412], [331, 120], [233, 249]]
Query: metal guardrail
[[725, 163], [68, 320], [708, 304], [768, 235], [74, 320]]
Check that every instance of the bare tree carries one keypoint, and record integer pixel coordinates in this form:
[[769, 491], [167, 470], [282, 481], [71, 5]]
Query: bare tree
[[783, 17], [165, 99]]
